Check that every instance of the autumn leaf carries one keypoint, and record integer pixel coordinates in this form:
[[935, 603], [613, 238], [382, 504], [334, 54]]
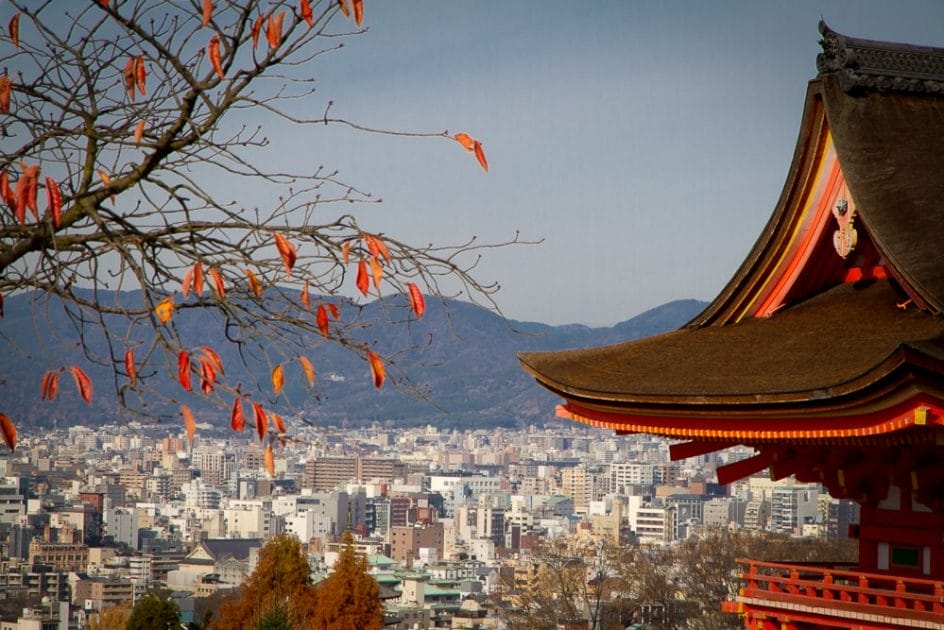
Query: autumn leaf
[[8, 430], [207, 375], [140, 74], [106, 178], [198, 278], [139, 132], [467, 142], [342, 4], [6, 193], [270, 461], [6, 89], [54, 201], [165, 309], [130, 367], [304, 7], [217, 284], [308, 369], [26, 191], [237, 420], [207, 12], [334, 310], [189, 422], [279, 422], [256, 29], [362, 281], [480, 156], [211, 354], [15, 30], [417, 302], [286, 251], [377, 272], [377, 370], [274, 29], [322, 320], [358, 11], [130, 77], [306, 297], [346, 252], [278, 379], [213, 50], [183, 370], [49, 385], [82, 383], [259, 416], [254, 285]]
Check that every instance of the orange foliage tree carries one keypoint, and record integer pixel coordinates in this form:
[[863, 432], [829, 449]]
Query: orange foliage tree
[[349, 598], [128, 128]]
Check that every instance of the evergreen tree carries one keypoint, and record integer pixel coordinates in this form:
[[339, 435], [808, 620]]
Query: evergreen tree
[[155, 611]]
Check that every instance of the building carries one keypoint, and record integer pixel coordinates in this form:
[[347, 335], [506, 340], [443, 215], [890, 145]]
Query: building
[[825, 352]]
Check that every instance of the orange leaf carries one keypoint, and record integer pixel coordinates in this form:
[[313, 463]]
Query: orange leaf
[[306, 298], [130, 77], [82, 383], [344, 8], [262, 422], [207, 375], [186, 283], [6, 193], [279, 423], [15, 30], [254, 285], [362, 281], [335, 311], [286, 251], [377, 272], [467, 142], [183, 370], [304, 7], [269, 461], [377, 370], [130, 367], [274, 29], [54, 201], [140, 74], [378, 248], [207, 11], [322, 319], [480, 156], [213, 50], [8, 430], [106, 178], [308, 369], [237, 420], [139, 131], [6, 88], [211, 354], [218, 284], [189, 422], [278, 379], [416, 300], [165, 309], [26, 191], [358, 11], [198, 278], [49, 385], [346, 252], [256, 29]]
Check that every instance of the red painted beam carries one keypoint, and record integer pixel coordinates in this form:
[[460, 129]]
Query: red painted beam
[[684, 450], [730, 473]]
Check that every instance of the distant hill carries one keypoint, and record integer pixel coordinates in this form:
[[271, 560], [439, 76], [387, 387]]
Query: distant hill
[[461, 359]]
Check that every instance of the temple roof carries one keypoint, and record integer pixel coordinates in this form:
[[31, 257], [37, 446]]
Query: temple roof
[[803, 327]]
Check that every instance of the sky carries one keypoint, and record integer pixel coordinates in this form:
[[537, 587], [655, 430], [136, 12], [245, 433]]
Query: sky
[[646, 143]]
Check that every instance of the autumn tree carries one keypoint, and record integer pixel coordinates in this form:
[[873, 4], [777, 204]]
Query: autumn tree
[[110, 618], [136, 157], [349, 598], [278, 591]]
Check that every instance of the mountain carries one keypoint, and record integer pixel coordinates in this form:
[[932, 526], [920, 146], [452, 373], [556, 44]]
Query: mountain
[[456, 366]]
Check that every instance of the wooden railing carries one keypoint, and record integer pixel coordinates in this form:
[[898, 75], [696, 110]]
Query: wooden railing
[[855, 592]]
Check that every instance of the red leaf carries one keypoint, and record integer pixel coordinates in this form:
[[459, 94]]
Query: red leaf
[[130, 367], [186, 283], [207, 12], [140, 74], [322, 319], [279, 423], [6, 89], [416, 300], [362, 281], [304, 8], [377, 370], [358, 11], [256, 29], [82, 383], [54, 201], [308, 369], [306, 298], [335, 311], [218, 284], [237, 421], [278, 379], [286, 251], [377, 247], [183, 370], [207, 375], [6, 193], [8, 430], [269, 461], [15, 30], [130, 78], [44, 384], [198, 278], [211, 354], [254, 285], [480, 155], [213, 49], [106, 178], [189, 422], [274, 29], [467, 142], [262, 422]]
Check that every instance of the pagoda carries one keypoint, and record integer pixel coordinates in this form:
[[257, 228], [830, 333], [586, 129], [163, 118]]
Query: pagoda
[[825, 352]]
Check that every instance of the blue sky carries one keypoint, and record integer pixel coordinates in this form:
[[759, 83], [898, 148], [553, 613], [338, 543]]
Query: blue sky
[[645, 142]]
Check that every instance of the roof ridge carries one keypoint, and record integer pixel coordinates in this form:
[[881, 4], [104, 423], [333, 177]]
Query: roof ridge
[[871, 64]]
